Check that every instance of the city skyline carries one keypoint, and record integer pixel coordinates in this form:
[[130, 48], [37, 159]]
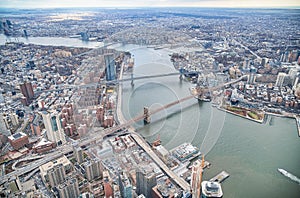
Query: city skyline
[[148, 3]]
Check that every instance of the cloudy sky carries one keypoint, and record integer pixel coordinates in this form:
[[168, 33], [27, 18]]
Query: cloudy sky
[[146, 3]]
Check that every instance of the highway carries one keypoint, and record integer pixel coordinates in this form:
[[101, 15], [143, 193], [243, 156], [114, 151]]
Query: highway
[[178, 180], [246, 48]]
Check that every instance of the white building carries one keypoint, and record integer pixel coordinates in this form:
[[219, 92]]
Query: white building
[[54, 130], [280, 79], [3, 126]]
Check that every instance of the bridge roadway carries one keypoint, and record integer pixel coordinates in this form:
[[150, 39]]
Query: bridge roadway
[[63, 87]]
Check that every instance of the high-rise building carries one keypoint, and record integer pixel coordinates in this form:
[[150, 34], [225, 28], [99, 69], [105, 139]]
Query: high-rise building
[[35, 125], [48, 166], [14, 119], [78, 153], [56, 175], [110, 67], [145, 181], [252, 75], [195, 179], [264, 62], [92, 169], [68, 189], [3, 126], [52, 122], [293, 74], [280, 79], [27, 91], [125, 186]]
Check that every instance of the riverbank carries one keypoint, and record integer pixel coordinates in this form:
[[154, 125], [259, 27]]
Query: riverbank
[[52, 41], [119, 115], [298, 124], [242, 116]]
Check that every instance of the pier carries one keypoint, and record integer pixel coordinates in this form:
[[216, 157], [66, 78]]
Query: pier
[[220, 177]]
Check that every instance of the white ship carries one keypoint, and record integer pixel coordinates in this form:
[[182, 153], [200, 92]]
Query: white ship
[[289, 175]]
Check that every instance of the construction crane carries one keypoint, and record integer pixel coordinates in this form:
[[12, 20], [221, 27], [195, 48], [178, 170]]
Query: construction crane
[[200, 176]]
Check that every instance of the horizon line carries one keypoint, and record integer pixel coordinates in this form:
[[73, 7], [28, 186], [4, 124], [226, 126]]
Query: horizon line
[[139, 7]]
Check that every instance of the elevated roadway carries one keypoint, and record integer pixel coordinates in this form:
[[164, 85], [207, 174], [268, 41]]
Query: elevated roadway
[[178, 180]]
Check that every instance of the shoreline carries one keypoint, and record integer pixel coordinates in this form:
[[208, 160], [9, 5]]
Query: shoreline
[[298, 124], [258, 121], [119, 115], [297, 119]]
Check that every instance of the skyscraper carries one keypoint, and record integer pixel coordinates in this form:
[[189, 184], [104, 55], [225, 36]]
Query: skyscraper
[[68, 189], [56, 175], [27, 91], [195, 178], [280, 79], [125, 186], [110, 67], [3, 126], [78, 153], [92, 169], [55, 132], [145, 181]]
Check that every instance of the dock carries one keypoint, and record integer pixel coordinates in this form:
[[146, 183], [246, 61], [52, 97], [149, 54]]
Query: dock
[[220, 177]]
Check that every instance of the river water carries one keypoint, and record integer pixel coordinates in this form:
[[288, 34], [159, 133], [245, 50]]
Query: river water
[[52, 41], [250, 152]]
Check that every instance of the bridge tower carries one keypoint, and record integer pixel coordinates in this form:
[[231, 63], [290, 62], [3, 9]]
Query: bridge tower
[[146, 115], [132, 84], [181, 70]]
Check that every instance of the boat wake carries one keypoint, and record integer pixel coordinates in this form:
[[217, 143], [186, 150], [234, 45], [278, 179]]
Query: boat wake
[[289, 175]]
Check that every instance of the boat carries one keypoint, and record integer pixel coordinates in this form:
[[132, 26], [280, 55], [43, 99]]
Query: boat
[[282, 171], [289, 175]]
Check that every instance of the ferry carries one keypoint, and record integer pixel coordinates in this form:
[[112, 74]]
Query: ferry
[[289, 175], [282, 171]]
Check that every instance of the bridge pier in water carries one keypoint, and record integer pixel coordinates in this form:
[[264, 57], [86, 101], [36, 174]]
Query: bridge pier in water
[[132, 84], [181, 73], [146, 116]]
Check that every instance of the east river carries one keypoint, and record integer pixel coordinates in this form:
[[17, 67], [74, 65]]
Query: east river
[[248, 151]]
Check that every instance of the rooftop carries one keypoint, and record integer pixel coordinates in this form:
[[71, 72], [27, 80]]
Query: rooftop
[[17, 136]]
